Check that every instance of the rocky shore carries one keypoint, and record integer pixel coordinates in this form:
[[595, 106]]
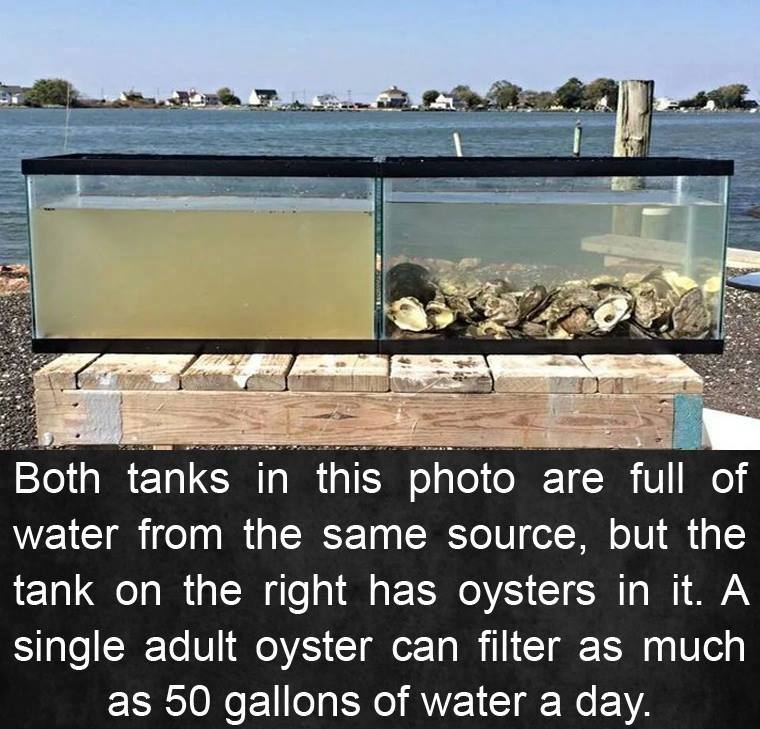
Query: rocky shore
[[731, 380]]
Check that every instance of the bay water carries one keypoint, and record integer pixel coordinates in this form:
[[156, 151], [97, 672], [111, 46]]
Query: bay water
[[37, 132]]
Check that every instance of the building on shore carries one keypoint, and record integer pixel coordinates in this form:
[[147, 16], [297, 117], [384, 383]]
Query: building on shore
[[326, 101], [264, 98], [181, 98], [603, 104], [393, 98], [198, 98], [12, 95], [447, 102], [665, 103]]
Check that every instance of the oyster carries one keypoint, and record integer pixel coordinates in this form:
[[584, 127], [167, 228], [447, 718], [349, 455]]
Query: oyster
[[488, 330], [578, 322], [502, 309], [491, 288], [611, 311], [531, 301], [691, 318], [648, 306], [533, 329], [565, 300], [461, 307], [711, 287], [439, 315], [679, 283], [630, 279], [458, 284], [555, 331], [603, 280], [406, 280], [408, 314]]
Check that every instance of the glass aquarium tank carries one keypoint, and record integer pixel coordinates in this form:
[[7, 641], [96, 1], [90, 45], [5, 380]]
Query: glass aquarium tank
[[228, 254], [166, 253], [555, 255]]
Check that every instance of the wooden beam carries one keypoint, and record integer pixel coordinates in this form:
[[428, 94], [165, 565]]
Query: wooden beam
[[61, 373], [395, 419], [262, 372], [135, 372], [545, 373], [339, 373], [422, 373], [642, 373]]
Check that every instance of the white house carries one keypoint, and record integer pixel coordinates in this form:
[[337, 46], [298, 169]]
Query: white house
[[198, 98], [12, 95], [181, 98], [264, 97], [445, 102], [326, 101], [711, 105], [393, 98], [603, 104], [665, 103]]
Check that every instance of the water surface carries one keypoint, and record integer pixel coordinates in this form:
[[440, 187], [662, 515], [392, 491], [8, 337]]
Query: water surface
[[36, 132]]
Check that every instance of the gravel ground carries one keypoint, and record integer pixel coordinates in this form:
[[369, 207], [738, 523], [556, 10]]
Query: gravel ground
[[732, 381]]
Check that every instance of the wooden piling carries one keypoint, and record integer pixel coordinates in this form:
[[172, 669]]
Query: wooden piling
[[577, 137], [633, 126], [457, 144]]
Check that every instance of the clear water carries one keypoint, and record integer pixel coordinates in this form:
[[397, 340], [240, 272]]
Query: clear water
[[30, 133]]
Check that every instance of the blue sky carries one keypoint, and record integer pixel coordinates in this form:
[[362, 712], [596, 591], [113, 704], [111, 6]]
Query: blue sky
[[336, 45]]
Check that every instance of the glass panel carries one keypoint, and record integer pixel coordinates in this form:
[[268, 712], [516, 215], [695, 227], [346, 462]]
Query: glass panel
[[554, 258], [203, 257]]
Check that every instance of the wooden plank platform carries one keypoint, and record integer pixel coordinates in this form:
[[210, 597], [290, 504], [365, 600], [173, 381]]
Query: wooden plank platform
[[261, 372], [523, 401], [541, 373], [425, 374], [642, 373], [339, 373]]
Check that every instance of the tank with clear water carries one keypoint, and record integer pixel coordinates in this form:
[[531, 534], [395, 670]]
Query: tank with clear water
[[554, 258], [313, 254]]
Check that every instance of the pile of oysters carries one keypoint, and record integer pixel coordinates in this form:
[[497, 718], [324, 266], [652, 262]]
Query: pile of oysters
[[455, 301]]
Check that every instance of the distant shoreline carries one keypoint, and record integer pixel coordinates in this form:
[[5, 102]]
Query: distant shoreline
[[242, 108]]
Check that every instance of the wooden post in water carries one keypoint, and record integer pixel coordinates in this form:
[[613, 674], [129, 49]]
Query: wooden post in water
[[633, 134], [633, 126], [577, 137], [458, 144]]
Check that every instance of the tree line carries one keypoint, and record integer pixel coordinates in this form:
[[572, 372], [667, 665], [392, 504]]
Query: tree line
[[574, 94], [502, 94]]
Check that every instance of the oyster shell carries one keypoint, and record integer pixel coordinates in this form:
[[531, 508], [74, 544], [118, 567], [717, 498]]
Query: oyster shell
[[459, 284], [565, 300], [648, 306], [493, 287], [461, 307], [488, 330], [408, 314], [611, 311], [578, 322], [502, 309], [439, 315], [533, 329], [678, 282], [531, 301], [691, 318], [711, 286], [555, 331]]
